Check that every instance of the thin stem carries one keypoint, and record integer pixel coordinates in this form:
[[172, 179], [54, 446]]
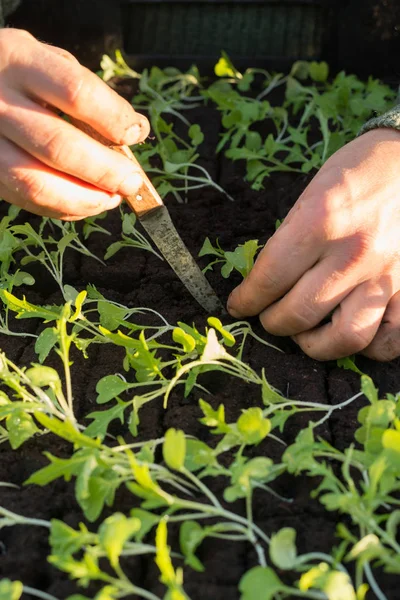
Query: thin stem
[[38, 593], [373, 583]]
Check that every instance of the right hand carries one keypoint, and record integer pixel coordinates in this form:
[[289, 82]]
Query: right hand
[[47, 166]]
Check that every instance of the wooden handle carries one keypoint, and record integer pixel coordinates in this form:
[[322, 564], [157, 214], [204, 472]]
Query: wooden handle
[[146, 198]]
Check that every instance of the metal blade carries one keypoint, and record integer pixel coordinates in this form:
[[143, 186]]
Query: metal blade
[[161, 229]]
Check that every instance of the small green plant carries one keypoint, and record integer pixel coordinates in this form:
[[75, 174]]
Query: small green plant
[[241, 259]]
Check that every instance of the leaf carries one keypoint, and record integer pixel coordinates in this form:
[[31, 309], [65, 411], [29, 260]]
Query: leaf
[[368, 389], [66, 430], [110, 387], [349, 364], [198, 455], [70, 293], [163, 558], [282, 549], [214, 418], [217, 325], [335, 584], [260, 583], [174, 449], [208, 248], [20, 427], [242, 258], [101, 419], [195, 134], [187, 342], [252, 425], [10, 590], [111, 316], [147, 521], [225, 68], [26, 310], [42, 376], [45, 342], [191, 534], [319, 71], [114, 532]]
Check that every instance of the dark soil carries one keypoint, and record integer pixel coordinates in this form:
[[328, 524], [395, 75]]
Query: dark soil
[[140, 279]]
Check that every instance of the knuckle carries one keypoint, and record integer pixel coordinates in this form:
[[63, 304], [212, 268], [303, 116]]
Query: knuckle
[[352, 338], [385, 347], [30, 187], [75, 86], [55, 147], [10, 44]]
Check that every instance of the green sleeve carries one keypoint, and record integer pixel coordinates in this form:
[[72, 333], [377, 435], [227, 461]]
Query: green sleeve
[[390, 119], [6, 8]]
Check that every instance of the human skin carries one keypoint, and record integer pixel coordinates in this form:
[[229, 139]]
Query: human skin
[[330, 276], [47, 166]]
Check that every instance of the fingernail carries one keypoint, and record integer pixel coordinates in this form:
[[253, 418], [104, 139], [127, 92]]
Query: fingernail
[[132, 183], [133, 135], [294, 338]]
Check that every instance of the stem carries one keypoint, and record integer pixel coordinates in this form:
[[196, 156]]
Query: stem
[[202, 487], [38, 593], [372, 582]]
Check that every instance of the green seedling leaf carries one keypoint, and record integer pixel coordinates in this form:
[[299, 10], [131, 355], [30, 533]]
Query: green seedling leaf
[[242, 259], [187, 341], [196, 135], [191, 534], [42, 376], [335, 584], [111, 316], [348, 363], [20, 427], [144, 487], [300, 69], [208, 248], [214, 418], [147, 521], [65, 541], [252, 426], [66, 431], [26, 310], [225, 68], [282, 549], [217, 325], [318, 71], [244, 476], [70, 293], [10, 590], [198, 455], [22, 278], [261, 583], [114, 532], [269, 394], [368, 388], [45, 342], [129, 223], [101, 419], [174, 449], [109, 387]]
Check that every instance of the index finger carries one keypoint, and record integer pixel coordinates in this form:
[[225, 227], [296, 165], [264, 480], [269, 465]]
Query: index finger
[[292, 250], [70, 87]]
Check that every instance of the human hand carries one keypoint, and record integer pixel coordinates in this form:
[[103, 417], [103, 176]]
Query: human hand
[[47, 166], [337, 250]]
